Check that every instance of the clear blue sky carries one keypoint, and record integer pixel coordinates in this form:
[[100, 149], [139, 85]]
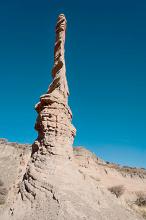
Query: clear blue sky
[[106, 70]]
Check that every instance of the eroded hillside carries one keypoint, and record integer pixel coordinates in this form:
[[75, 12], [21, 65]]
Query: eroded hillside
[[93, 171]]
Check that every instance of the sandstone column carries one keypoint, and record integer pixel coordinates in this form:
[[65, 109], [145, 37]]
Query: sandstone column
[[55, 131]]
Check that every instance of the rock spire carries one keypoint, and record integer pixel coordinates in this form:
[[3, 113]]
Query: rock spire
[[53, 124], [55, 131], [59, 85]]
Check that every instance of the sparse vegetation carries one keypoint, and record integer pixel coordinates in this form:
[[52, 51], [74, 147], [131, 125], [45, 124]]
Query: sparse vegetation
[[117, 190], [126, 170], [141, 199]]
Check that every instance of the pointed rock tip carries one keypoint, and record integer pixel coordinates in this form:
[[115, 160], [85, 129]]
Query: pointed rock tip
[[61, 16]]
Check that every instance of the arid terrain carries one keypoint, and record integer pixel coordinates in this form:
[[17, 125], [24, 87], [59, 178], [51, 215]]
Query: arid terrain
[[51, 179], [95, 174]]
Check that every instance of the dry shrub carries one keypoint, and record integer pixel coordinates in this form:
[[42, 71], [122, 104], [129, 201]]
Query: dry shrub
[[117, 190], [141, 199]]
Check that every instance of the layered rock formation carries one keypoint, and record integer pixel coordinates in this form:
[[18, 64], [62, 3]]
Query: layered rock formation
[[55, 131]]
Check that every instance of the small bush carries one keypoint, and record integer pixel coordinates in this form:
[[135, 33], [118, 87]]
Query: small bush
[[117, 190], [141, 199]]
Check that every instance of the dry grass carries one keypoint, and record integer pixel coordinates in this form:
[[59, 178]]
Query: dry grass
[[139, 205]]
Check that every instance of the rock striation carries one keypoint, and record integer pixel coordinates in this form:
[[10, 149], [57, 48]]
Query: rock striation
[[55, 131]]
